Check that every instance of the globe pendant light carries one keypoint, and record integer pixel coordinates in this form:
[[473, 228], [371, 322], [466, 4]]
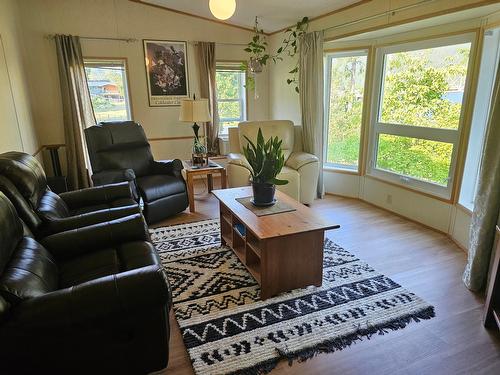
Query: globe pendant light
[[222, 9]]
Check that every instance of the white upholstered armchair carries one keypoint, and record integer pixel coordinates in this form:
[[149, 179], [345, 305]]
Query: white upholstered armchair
[[301, 169]]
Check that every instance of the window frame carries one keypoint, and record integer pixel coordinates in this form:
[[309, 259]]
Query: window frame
[[243, 94], [126, 83], [377, 127], [328, 57]]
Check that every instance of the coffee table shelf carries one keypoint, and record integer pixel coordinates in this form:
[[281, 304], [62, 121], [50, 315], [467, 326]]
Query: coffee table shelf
[[282, 251]]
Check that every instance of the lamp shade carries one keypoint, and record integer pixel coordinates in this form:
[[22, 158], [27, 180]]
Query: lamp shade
[[195, 110], [222, 9]]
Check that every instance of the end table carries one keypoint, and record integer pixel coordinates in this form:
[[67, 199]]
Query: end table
[[192, 171]]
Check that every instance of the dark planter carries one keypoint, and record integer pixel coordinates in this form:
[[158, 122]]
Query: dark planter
[[263, 193]]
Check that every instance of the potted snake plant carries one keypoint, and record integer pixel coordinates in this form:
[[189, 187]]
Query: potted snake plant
[[266, 160]]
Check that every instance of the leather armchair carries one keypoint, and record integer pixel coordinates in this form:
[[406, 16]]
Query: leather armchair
[[119, 151], [23, 181], [91, 300], [301, 169]]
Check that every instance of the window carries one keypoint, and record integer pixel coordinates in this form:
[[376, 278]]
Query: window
[[419, 90], [107, 82], [231, 95], [345, 86], [487, 74]]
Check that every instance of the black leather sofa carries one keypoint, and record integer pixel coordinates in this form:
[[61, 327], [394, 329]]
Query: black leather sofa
[[23, 181], [119, 151], [93, 300]]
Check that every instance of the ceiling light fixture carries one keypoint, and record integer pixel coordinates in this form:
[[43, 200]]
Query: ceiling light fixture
[[222, 9]]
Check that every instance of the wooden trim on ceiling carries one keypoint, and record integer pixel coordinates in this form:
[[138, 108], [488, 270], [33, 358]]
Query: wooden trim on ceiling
[[347, 7], [414, 19], [193, 15]]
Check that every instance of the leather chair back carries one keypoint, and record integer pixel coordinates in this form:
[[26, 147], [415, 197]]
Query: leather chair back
[[119, 145], [27, 270], [26, 173], [283, 129]]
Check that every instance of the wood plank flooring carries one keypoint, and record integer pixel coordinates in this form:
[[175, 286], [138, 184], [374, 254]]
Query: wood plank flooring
[[422, 260]]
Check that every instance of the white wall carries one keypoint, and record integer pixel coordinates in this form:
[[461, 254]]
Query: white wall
[[16, 126], [122, 19]]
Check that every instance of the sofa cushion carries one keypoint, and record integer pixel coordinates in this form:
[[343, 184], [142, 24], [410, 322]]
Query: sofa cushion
[[30, 272], [158, 186], [126, 257], [291, 189], [283, 129], [89, 267]]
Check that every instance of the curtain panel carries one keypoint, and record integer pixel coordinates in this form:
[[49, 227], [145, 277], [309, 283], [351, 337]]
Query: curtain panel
[[205, 56], [487, 202], [311, 98], [77, 108]]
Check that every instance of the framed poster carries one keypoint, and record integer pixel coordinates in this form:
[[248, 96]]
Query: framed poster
[[166, 71]]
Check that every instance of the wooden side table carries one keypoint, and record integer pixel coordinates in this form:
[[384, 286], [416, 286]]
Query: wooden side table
[[208, 171]]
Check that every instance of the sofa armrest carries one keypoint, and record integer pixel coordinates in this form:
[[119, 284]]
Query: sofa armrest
[[69, 244], [113, 176], [90, 218], [298, 159], [96, 195], [104, 298], [170, 167], [239, 159]]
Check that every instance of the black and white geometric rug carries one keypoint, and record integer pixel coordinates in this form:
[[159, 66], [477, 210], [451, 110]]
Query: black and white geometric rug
[[227, 328]]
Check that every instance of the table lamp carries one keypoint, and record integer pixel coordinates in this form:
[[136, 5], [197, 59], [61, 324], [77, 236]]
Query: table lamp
[[193, 111]]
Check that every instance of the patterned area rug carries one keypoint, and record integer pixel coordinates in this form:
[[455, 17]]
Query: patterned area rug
[[227, 328]]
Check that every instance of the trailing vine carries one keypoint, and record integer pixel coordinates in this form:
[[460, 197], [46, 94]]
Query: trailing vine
[[257, 47]]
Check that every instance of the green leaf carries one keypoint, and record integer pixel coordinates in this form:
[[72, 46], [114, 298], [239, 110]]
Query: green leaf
[[279, 182]]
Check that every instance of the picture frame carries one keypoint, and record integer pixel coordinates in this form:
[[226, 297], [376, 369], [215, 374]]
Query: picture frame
[[166, 72]]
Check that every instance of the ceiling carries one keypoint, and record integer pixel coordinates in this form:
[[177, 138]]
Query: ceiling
[[273, 15]]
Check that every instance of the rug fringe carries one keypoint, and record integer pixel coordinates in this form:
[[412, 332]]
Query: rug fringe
[[339, 343]]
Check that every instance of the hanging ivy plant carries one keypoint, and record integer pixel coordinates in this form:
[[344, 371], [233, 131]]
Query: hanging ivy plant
[[257, 47]]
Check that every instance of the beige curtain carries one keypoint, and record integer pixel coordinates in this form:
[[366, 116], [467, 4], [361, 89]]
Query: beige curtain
[[487, 203], [311, 97], [77, 108], [205, 56]]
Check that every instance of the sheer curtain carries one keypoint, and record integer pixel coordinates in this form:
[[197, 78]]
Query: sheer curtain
[[205, 56], [311, 97], [77, 108], [487, 203]]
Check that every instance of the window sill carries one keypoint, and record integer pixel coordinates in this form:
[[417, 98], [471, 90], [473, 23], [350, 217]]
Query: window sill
[[466, 209], [333, 169]]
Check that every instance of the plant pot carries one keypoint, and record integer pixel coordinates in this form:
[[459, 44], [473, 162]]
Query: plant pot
[[255, 65], [263, 193]]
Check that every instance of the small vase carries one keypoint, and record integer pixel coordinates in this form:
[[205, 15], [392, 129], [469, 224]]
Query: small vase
[[263, 194]]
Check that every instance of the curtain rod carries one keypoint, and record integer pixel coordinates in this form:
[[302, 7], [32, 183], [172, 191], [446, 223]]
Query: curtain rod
[[127, 40], [220, 43], [378, 15]]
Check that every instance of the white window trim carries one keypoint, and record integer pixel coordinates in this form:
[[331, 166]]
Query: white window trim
[[329, 56], [242, 95], [121, 61], [434, 134]]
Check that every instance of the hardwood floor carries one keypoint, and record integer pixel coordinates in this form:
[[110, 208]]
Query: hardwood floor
[[422, 260]]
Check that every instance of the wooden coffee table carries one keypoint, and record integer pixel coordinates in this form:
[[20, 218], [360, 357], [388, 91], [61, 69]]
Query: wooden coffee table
[[283, 251], [191, 171]]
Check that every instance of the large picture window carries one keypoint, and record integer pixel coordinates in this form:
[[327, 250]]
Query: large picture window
[[344, 92], [417, 112], [231, 95], [108, 86]]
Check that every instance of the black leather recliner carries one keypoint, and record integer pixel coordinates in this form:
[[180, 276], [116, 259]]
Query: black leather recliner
[[23, 181], [119, 151], [90, 300]]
